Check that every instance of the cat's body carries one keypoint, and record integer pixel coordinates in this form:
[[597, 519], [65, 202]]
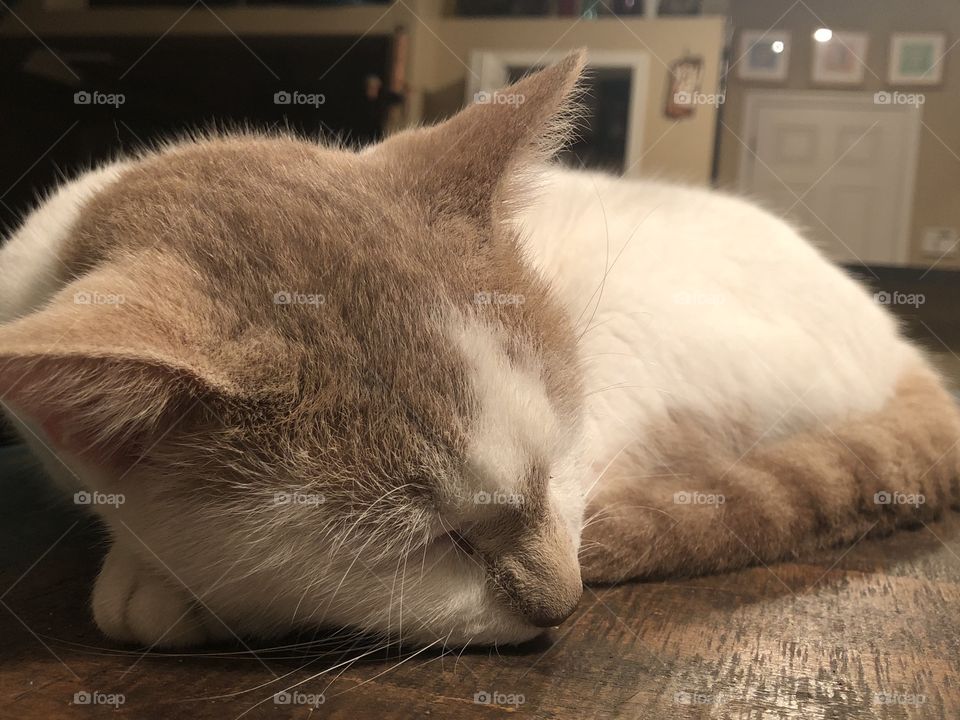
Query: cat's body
[[693, 299], [438, 396]]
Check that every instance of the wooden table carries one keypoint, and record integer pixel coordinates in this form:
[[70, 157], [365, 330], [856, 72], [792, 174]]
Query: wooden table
[[869, 632]]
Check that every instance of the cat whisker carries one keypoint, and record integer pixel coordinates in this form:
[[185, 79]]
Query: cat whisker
[[628, 387], [606, 265], [274, 680], [391, 669], [609, 268], [608, 466]]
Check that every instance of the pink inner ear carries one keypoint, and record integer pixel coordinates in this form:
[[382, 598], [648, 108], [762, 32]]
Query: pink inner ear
[[18, 403], [53, 429], [82, 409], [22, 393]]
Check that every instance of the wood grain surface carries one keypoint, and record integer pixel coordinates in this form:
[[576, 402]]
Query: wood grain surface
[[867, 632]]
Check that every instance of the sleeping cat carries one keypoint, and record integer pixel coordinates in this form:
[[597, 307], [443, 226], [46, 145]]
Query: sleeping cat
[[427, 389]]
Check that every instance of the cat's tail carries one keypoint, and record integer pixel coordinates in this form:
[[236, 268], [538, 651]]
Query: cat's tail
[[707, 507]]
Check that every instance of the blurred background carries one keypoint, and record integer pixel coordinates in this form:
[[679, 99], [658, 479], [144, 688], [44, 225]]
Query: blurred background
[[841, 116]]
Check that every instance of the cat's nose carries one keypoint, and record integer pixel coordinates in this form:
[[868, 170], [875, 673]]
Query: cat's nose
[[554, 612], [544, 596]]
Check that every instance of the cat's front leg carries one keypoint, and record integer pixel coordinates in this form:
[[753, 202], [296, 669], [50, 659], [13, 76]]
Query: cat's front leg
[[135, 603]]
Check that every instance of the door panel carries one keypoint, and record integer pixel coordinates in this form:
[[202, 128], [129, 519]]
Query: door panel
[[840, 167]]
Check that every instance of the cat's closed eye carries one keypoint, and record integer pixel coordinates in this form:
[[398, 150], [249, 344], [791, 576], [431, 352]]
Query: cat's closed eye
[[461, 542]]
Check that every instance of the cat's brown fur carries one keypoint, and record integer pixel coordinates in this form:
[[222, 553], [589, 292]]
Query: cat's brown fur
[[200, 388], [200, 396], [781, 498]]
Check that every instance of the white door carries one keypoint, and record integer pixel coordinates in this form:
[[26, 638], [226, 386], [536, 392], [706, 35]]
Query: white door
[[840, 165]]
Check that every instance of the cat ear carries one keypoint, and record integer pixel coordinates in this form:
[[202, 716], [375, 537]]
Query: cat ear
[[105, 370], [474, 162]]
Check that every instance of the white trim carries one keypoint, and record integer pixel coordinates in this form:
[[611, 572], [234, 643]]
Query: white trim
[[490, 72], [835, 99]]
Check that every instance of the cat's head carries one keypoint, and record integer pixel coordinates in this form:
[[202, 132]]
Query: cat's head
[[326, 385]]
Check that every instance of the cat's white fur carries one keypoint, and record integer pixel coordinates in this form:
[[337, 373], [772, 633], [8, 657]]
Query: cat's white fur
[[695, 299], [32, 271], [30, 264], [682, 299]]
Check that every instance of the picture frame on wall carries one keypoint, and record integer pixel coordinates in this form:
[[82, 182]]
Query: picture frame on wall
[[839, 57], [917, 58], [763, 55]]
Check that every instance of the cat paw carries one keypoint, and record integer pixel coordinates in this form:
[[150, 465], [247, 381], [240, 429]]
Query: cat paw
[[133, 603]]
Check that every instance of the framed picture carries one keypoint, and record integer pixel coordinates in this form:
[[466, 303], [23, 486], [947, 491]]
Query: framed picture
[[917, 58], [763, 55], [839, 57]]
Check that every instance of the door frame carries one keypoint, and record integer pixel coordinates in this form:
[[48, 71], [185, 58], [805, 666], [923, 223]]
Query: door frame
[[489, 71], [757, 100]]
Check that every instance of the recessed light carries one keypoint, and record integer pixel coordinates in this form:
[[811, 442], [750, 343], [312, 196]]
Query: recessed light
[[823, 35]]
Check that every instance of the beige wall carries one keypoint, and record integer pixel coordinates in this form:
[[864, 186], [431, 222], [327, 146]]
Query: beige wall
[[937, 190], [678, 150]]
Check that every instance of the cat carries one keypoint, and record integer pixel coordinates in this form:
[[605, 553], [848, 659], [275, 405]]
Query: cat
[[430, 388]]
